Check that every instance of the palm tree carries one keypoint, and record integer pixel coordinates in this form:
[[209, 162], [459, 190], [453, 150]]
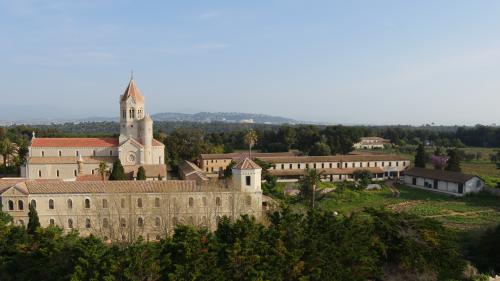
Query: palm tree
[[103, 169], [7, 149], [250, 140], [309, 183]]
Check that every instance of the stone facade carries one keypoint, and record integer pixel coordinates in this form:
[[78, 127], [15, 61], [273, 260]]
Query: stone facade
[[68, 158], [123, 211]]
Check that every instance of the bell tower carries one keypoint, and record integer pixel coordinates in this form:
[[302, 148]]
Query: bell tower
[[131, 111]]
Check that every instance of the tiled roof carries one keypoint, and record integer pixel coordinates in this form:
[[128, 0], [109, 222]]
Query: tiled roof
[[333, 171], [74, 142], [117, 187], [336, 158], [241, 155], [132, 91], [71, 160], [157, 143], [10, 182], [439, 175], [246, 164], [95, 177], [188, 167]]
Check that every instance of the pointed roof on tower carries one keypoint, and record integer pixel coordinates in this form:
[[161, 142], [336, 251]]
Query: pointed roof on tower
[[132, 91], [246, 164]]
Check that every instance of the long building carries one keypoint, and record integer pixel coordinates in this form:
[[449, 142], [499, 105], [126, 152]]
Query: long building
[[126, 210], [290, 167]]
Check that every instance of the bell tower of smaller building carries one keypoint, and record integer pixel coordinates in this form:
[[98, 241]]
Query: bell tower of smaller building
[[247, 176]]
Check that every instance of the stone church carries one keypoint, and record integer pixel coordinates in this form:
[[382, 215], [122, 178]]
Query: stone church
[[79, 158]]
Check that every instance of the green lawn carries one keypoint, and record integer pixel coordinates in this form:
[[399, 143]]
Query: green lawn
[[470, 212]]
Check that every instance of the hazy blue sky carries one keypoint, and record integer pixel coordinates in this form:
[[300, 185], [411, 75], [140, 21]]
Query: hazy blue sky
[[377, 62]]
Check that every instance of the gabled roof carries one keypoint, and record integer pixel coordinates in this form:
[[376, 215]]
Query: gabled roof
[[74, 142], [328, 171], [132, 91], [246, 164], [442, 175]]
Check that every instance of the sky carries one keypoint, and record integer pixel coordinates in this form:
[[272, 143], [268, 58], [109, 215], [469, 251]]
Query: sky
[[347, 62]]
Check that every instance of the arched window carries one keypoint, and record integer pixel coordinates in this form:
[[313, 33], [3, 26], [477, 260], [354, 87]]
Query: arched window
[[105, 222], [140, 222], [93, 152], [123, 222], [157, 202], [20, 205], [139, 203], [104, 203], [218, 201], [70, 204], [70, 223], [60, 153], [33, 203], [75, 172], [87, 203], [52, 222], [124, 237], [39, 173], [77, 153], [122, 203], [57, 173], [218, 219], [11, 205], [51, 204], [248, 200], [43, 153], [87, 223], [111, 153], [191, 202], [157, 221]]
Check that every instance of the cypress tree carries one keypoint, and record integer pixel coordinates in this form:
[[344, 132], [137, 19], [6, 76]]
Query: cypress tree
[[117, 174], [420, 156], [453, 161], [141, 174], [33, 222]]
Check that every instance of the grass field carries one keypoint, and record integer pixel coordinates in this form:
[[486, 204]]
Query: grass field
[[470, 212]]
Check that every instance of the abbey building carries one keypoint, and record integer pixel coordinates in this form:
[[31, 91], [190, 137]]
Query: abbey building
[[77, 158]]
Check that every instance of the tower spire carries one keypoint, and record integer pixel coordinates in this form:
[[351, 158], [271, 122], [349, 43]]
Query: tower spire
[[131, 74]]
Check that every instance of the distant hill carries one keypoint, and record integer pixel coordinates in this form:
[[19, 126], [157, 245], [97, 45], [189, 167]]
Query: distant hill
[[229, 117]]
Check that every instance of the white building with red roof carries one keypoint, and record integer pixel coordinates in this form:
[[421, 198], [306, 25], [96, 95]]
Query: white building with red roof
[[69, 158]]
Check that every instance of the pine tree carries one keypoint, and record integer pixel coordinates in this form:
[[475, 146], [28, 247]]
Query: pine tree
[[420, 156], [141, 174], [117, 174], [33, 222], [453, 161]]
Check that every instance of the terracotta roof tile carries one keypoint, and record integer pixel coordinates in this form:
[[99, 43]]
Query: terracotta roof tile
[[241, 155], [336, 158], [439, 175], [71, 160], [333, 171], [74, 142], [132, 91], [246, 164]]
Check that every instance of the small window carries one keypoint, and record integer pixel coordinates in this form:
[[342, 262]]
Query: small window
[[87, 223], [75, 172], [290, 166], [204, 200], [140, 222], [111, 153], [218, 201], [282, 166], [43, 153], [20, 205], [157, 202], [105, 222], [70, 204], [123, 222], [39, 173], [191, 202], [322, 165], [11, 205], [157, 221], [122, 203], [298, 166], [87, 203], [77, 153], [51, 204], [52, 222], [21, 222], [60, 153], [353, 164], [93, 152], [139, 203], [70, 223], [248, 180], [248, 200], [104, 203], [57, 173], [33, 203], [158, 237]]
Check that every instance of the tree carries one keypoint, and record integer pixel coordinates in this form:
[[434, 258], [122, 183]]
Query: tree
[[320, 149], [33, 220], [454, 159], [309, 183], [228, 172], [6, 150], [420, 157], [363, 176], [117, 174], [141, 174], [250, 140], [103, 170]]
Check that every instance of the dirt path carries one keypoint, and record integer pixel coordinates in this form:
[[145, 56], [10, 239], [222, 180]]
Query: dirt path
[[392, 187]]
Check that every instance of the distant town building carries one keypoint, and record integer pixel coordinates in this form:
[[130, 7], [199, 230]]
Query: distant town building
[[372, 143], [127, 210], [453, 183], [69, 158]]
